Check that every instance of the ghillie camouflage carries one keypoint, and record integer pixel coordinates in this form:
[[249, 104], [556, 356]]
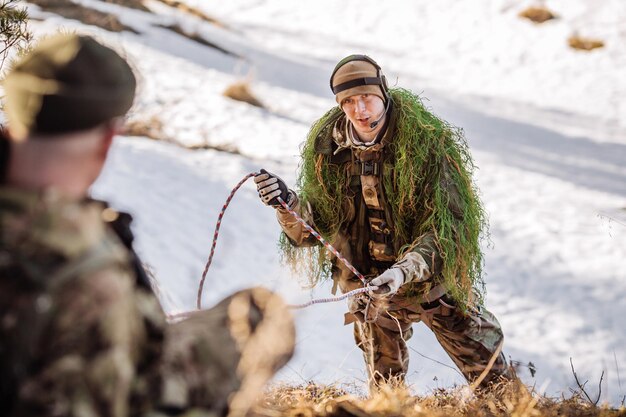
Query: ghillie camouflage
[[427, 181]]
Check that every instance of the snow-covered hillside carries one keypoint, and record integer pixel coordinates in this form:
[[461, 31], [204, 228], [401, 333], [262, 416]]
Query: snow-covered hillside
[[545, 124]]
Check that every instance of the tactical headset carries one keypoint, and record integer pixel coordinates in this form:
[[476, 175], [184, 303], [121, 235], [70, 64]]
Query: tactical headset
[[380, 78]]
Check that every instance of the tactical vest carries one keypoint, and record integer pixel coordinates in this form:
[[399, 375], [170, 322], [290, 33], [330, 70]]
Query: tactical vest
[[367, 166]]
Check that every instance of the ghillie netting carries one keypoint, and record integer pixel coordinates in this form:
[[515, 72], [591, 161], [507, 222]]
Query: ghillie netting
[[427, 180]]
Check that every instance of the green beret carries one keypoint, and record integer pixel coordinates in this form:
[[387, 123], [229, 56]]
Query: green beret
[[67, 83]]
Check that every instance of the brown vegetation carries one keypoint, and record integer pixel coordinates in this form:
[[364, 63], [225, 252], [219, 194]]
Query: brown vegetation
[[153, 128], [88, 16], [511, 399], [584, 44], [133, 4], [196, 38], [537, 14], [185, 8], [240, 91]]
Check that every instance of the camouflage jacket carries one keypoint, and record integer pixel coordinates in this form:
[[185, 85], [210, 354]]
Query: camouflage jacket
[[80, 332]]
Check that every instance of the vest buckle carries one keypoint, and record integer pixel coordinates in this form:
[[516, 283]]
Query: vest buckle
[[369, 168]]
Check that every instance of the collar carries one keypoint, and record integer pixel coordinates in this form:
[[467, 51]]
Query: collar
[[345, 136]]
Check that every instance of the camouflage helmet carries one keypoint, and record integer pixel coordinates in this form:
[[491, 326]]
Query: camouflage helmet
[[67, 83]]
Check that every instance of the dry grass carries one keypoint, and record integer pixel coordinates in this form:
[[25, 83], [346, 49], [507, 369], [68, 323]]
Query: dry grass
[[185, 8], [506, 399], [70, 10], [151, 128], [133, 4], [537, 14], [226, 147], [240, 91], [196, 38], [584, 44]]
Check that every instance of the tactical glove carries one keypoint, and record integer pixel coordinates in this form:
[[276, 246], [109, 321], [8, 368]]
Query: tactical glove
[[389, 282], [270, 187]]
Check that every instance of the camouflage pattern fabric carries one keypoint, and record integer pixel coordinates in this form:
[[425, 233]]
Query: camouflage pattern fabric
[[470, 339], [382, 326], [80, 335]]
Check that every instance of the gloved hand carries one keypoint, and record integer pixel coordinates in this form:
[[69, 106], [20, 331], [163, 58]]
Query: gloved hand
[[270, 187], [389, 282]]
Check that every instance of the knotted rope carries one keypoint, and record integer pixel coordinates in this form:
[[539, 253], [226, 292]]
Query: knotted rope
[[327, 245]]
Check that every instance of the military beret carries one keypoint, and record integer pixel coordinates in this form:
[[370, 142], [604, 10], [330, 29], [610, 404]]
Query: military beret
[[67, 83]]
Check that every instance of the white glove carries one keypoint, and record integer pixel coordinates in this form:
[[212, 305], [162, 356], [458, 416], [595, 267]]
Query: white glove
[[389, 282]]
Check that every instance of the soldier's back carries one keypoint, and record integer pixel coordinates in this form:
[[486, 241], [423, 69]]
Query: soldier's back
[[71, 335], [81, 334]]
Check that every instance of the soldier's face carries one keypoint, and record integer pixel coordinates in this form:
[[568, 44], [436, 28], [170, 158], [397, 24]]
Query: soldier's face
[[362, 110]]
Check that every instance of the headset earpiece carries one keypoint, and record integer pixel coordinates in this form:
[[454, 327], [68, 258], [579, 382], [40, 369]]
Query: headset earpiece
[[384, 86]]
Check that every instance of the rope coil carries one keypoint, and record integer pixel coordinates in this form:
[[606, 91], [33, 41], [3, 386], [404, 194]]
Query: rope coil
[[327, 245]]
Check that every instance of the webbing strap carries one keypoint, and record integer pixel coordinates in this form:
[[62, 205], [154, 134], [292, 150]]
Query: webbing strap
[[434, 294], [365, 168], [357, 83]]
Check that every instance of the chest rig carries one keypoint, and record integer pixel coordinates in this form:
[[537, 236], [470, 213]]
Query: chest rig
[[367, 166]]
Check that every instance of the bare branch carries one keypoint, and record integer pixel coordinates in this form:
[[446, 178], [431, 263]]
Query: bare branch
[[582, 386]]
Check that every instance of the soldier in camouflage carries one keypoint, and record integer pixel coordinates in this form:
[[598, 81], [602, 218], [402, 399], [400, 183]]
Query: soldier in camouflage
[[389, 184], [81, 332]]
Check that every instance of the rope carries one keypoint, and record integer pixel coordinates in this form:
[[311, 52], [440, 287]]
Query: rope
[[327, 245], [321, 239], [332, 299], [216, 233]]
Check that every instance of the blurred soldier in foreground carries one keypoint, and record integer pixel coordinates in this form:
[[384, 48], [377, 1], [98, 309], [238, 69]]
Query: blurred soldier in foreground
[[81, 332]]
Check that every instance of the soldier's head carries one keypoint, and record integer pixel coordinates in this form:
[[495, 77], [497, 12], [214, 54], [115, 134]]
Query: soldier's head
[[64, 102], [361, 91]]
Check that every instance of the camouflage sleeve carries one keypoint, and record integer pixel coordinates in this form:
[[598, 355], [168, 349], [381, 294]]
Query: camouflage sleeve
[[423, 260], [88, 353], [293, 229], [419, 263]]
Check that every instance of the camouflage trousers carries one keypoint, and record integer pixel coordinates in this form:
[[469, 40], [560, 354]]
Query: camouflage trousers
[[218, 360], [470, 339]]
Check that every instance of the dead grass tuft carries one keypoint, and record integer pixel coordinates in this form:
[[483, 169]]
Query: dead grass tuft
[[70, 10], [584, 44], [240, 91], [185, 8], [151, 128], [196, 38], [505, 399], [133, 4], [537, 14]]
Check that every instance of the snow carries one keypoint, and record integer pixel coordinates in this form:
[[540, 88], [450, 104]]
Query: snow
[[545, 124]]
